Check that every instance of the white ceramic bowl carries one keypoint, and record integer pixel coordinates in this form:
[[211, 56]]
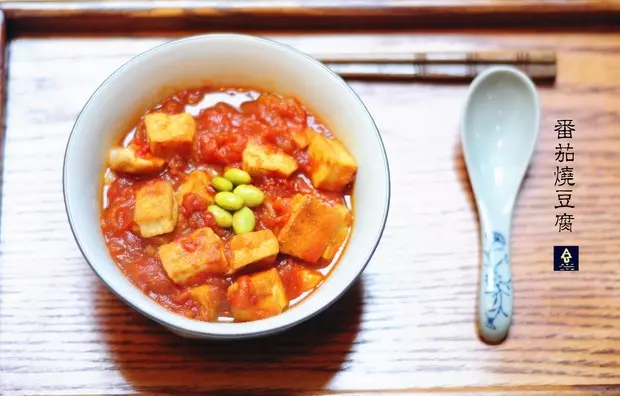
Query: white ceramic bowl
[[237, 60]]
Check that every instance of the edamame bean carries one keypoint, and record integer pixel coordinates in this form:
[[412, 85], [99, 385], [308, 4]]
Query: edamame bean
[[228, 200], [237, 176], [243, 221], [222, 217], [251, 195], [221, 184]]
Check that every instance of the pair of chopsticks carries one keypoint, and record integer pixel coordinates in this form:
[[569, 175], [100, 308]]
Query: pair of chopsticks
[[439, 66]]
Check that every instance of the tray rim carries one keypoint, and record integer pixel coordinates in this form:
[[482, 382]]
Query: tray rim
[[144, 16]]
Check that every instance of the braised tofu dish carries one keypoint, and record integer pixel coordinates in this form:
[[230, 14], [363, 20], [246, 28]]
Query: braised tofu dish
[[227, 205]]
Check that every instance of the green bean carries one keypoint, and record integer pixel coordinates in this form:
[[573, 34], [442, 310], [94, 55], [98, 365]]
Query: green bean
[[222, 217], [237, 176], [243, 221], [221, 184], [228, 200], [251, 195]]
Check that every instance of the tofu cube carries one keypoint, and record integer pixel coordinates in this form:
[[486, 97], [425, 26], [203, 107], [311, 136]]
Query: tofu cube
[[197, 183], [340, 236], [301, 137], [200, 252], [310, 228], [252, 247], [260, 160], [332, 165], [208, 297], [298, 279], [125, 160], [257, 296], [170, 134], [309, 279], [156, 211]]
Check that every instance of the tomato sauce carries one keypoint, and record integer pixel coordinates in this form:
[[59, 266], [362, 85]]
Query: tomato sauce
[[226, 119]]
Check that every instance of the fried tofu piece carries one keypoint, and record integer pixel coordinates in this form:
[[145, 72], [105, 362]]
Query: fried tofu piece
[[298, 279], [332, 165], [310, 228], [168, 134], [156, 211], [264, 160], [199, 252], [252, 247], [197, 183], [302, 137], [257, 296], [125, 160], [208, 297], [309, 279], [340, 236]]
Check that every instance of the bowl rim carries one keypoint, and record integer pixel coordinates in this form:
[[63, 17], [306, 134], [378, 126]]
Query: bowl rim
[[82, 246]]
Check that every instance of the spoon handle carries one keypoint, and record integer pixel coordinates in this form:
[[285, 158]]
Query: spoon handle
[[495, 292]]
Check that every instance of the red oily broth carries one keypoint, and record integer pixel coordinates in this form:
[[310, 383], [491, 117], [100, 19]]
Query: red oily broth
[[226, 118]]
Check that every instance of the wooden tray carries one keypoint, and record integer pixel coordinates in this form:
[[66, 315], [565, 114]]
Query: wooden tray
[[408, 325]]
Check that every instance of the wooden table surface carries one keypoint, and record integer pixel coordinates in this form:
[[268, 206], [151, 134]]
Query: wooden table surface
[[408, 325]]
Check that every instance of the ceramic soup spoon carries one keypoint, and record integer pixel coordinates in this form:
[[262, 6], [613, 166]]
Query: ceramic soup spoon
[[499, 132]]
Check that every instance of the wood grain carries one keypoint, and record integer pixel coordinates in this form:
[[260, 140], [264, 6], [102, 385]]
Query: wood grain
[[408, 326], [139, 16], [3, 55]]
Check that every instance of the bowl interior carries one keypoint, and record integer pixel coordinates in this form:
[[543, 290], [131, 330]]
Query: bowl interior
[[240, 61]]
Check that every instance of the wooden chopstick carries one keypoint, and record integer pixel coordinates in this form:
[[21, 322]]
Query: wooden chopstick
[[503, 57], [459, 66]]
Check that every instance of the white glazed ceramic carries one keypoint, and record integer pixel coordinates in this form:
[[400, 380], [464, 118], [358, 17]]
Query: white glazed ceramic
[[238, 60], [499, 132]]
